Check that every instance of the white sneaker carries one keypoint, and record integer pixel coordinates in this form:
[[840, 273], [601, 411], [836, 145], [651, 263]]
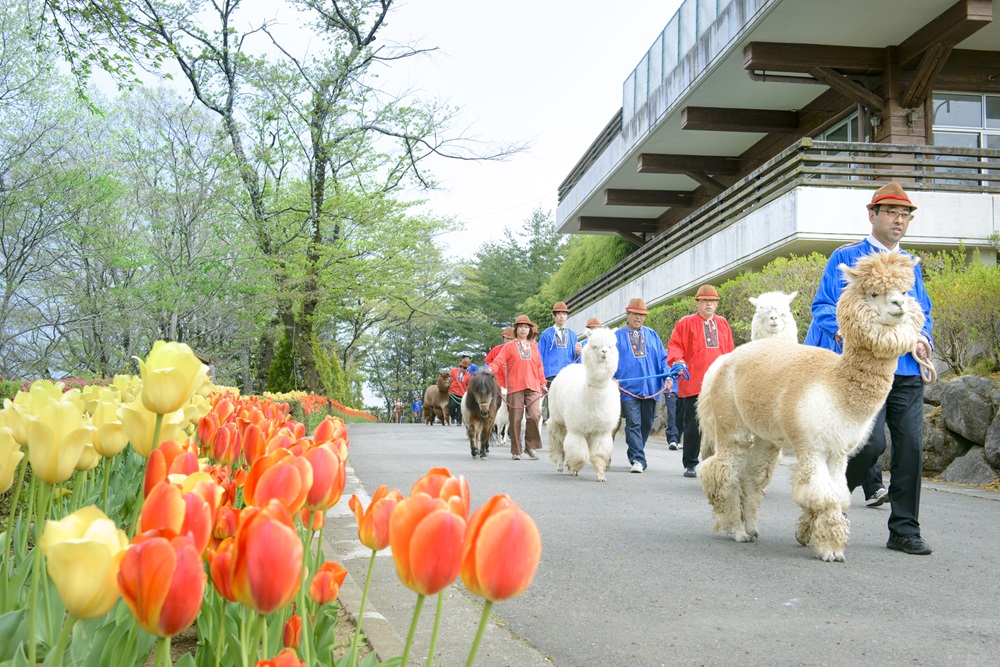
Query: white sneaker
[[672, 446], [878, 498], [636, 467]]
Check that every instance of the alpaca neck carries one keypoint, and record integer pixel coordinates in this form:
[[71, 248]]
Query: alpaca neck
[[866, 380], [600, 374]]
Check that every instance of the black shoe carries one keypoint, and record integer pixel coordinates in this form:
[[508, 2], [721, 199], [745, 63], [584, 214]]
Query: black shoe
[[689, 472], [910, 544]]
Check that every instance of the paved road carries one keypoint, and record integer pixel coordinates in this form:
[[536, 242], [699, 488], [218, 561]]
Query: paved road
[[632, 574]]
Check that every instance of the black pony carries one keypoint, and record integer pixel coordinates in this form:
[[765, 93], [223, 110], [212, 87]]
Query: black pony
[[479, 409]]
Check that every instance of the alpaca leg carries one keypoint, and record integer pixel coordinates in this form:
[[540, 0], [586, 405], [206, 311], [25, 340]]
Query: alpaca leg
[[557, 434], [577, 452], [600, 446], [816, 492], [763, 459], [804, 529], [830, 534], [719, 482]]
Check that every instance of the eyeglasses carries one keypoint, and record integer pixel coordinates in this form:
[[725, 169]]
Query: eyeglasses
[[893, 214]]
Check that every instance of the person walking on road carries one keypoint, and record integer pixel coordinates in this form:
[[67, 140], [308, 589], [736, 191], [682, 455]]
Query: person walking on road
[[460, 377], [521, 365], [558, 347]]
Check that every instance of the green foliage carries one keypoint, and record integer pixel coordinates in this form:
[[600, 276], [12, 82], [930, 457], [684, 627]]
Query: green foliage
[[966, 310], [8, 389], [664, 317], [281, 375]]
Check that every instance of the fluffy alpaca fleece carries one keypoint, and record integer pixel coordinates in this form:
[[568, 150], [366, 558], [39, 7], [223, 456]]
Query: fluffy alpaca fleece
[[770, 395], [773, 317], [584, 407]]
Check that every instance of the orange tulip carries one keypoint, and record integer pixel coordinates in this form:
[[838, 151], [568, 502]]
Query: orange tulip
[[220, 566], [282, 476], [501, 552], [373, 523], [254, 443], [326, 583], [267, 558], [291, 634], [329, 478], [170, 458], [170, 510], [440, 483], [330, 429], [426, 540], [287, 658], [208, 429], [162, 581]]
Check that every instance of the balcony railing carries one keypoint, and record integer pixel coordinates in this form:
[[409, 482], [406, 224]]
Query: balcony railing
[[815, 164]]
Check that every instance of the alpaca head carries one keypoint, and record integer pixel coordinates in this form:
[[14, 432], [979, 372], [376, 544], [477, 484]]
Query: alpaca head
[[773, 317], [874, 311], [600, 354]]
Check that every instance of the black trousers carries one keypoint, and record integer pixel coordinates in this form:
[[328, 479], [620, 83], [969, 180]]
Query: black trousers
[[903, 412], [687, 415], [455, 407]]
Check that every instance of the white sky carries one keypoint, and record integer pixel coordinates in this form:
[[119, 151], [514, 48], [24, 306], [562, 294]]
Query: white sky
[[544, 72]]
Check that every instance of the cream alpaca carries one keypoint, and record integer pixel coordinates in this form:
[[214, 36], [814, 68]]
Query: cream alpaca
[[770, 395], [585, 407], [773, 317]]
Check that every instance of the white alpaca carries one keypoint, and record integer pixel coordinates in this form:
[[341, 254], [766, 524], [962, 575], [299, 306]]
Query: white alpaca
[[773, 317], [585, 407], [772, 394]]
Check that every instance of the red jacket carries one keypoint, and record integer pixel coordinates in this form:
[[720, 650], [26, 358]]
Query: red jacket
[[459, 381], [521, 365], [698, 344]]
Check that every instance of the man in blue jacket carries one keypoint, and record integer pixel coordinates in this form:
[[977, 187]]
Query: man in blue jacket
[[558, 347], [890, 213]]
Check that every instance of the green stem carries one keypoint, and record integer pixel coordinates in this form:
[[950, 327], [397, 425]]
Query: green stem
[[437, 624], [479, 633], [104, 485], [364, 599], [307, 638], [32, 501], [8, 536], [44, 491], [156, 431], [413, 629], [80, 488], [261, 632], [244, 638], [220, 636], [163, 652], [60, 648]]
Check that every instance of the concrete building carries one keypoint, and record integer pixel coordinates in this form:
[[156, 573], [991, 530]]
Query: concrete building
[[754, 129]]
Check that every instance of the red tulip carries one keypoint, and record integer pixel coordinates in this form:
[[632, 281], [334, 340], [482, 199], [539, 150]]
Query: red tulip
[[312, 520], [174, 512], [279, 475], [162, 581], [330, 429], [227, 445], [267, 558], [170, 458], [291, 634], [501, 552], [208, 427], [440, 483], [287, 658], [373, 523], [329, 477], [426, 540], [220, 566], [326, 583], [253, 443]]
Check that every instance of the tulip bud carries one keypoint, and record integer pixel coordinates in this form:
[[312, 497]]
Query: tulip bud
[[502, 550], [326, 584], [171, 374]]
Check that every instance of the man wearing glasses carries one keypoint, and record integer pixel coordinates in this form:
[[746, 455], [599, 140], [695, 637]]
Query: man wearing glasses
[[890, 213]]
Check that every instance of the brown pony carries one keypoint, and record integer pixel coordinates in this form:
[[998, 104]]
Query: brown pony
[[436, 399], [479, 410]]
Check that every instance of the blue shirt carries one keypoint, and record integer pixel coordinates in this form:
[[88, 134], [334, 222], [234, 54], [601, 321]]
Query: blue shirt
[[640, 356], [824, 325], [557, 352]]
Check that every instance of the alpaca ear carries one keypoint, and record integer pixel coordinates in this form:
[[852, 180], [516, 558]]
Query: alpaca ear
[[850, 275], [585, 333], [791, 296], [753, 301]]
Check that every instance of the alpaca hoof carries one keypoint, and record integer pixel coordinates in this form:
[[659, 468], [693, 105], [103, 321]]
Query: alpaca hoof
[[742, 536], [575, 473], [475, 453], [483, 454], [602, 478], [831, 557]]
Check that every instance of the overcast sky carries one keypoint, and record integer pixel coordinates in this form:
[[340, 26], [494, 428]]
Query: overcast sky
[[545, 72]]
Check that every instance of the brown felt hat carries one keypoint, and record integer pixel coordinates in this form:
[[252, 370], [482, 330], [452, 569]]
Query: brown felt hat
[[524, 319], [707, 292], [560, 307], [891, 194], [593, 322], [508, 332], [636, 305]]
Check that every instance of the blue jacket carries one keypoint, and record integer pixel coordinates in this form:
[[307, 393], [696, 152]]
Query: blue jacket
[[556, 357], [824, 308], [651, 362]]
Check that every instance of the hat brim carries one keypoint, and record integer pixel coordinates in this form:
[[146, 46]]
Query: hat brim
[[706, 297], [640, 311], [892, 201]]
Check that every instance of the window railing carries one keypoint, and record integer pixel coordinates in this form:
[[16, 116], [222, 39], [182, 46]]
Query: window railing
[[814, 164]]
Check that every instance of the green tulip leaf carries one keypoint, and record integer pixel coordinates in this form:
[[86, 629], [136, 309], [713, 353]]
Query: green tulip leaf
[[13, 631]]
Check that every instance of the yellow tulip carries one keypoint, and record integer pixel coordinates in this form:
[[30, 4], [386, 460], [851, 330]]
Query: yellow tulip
[[139, 424], [14, 412], [83, 552], [10, 457], [127, 386], [56, 436], [89, 458], [170, 375], [110, 438]]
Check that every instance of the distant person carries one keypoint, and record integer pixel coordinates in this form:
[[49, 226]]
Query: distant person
[[416, 409], [506, 336], [558, 346], [592, 323], [525, 384], [641, 372], [397, 410], [460, 377], [697, 341]]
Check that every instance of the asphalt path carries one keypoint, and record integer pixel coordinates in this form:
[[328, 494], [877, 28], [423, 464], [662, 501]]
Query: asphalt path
[[632, 574]]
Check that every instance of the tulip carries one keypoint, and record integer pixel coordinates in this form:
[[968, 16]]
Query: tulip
[[110, 438], [291, 634], [426, 540], [162, 581], [82, 553], [326, 583], [170, 458], [56, 436], [171, 512], [329, 477], [171, 374], [267, 558], [220, 566], [10, 458], [140, 426], [227, 444], [373, 523], [440, 483], [330, 429], [89, 458], [279, 475], [501, 552], [254, 443], [287, 658]]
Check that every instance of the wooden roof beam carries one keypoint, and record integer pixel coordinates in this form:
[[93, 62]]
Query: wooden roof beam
[[927, 72], [665, 163], [953, 25], [848, 88], [779, 57], [719, 119], [615, 197], [590, 223], [713, 186], [634, 239]]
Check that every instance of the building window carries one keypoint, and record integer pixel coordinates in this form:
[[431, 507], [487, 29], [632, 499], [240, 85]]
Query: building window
[[969, 121], [845, 131]]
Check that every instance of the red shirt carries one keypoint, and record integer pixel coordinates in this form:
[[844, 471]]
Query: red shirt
[[490, 356], [698, 342], [521, 365], [459, 381]]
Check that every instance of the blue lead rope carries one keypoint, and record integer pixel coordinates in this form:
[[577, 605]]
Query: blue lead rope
[[675, 371]]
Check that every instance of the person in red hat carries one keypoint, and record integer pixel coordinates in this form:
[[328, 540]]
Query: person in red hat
[[889, 212], [521, 365], [641, 375], [697, 340], [506, 336], [558, 346]]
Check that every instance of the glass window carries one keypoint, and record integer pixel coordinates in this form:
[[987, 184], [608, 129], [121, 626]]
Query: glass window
[[993, 140], [958, 140], [656, 64], [841, 132], [670, 37], [688, 26], [955, 110], [992, 111]]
